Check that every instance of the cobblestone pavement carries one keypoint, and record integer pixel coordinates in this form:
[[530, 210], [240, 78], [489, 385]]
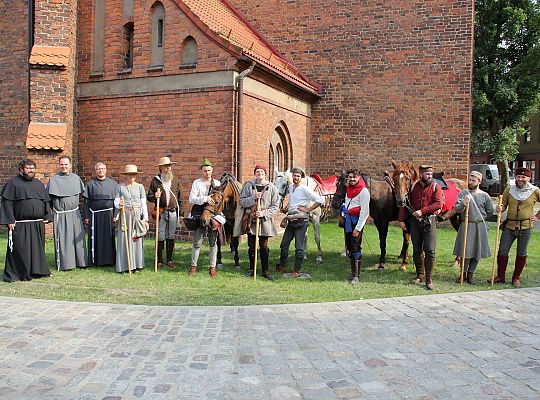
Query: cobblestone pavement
[[454, 346]]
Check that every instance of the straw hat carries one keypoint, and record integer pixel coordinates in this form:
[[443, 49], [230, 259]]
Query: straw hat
[[130, 169], [165, 161]]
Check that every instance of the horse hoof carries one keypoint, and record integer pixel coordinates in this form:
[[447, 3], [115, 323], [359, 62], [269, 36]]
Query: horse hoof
[[344, 254], [455, 264], [403, 268], [381, 268], [219, 266], [237, 267]]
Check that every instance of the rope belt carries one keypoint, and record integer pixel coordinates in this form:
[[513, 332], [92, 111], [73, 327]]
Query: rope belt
[[10, 233], [66, 211], [92, 229]]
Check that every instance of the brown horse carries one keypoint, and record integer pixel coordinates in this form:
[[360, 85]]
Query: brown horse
[[382, 209], [226, 200], [405, 176]]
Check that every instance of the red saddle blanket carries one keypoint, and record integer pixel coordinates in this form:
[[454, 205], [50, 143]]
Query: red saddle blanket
[[328, 185]]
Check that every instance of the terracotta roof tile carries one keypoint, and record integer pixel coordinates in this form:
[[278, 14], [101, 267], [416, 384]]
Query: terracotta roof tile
[[47, 55], [46, 136], [226, 22]]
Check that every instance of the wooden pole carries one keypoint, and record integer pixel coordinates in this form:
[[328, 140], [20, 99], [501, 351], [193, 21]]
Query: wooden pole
[[158, 196], [496, 247], [464, 252], [256, 240], [126, 234]]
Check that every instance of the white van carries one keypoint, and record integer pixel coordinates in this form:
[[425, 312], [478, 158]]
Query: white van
[[491, 180]]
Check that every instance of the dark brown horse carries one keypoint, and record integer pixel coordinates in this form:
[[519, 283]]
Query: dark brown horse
[[226, 199], [382, 209]]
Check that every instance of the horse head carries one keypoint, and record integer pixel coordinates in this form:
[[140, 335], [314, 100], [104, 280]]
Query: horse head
[[282, 181], [341, 191], [210, 211], [402, 178]]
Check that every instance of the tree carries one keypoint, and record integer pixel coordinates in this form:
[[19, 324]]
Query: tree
[[506, 76]]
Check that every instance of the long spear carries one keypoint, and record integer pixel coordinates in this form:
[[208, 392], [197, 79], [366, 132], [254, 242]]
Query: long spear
[[463, 253], [158, 195], [496, 240], [125, 230]]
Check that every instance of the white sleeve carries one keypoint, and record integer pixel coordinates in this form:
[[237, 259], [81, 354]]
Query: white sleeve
[[144, 207], [313, 196], [364, 209], [194, 197]]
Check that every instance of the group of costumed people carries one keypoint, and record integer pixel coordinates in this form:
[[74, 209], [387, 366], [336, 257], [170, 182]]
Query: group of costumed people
[[117, 219]]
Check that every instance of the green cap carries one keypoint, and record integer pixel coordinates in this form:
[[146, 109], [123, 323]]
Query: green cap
[[206, 163]]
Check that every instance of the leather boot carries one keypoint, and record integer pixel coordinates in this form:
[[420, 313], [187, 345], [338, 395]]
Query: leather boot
[[502, 262], [170, 252], [355, 271], [420, 270], [160, 246], [265, 255], [429, 263], [521, 261], [470, 278]]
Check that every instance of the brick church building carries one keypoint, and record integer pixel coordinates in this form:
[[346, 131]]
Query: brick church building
[[325, 85]]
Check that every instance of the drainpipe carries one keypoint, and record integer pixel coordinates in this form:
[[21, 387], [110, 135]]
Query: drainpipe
[[31, 10], [239, 121]]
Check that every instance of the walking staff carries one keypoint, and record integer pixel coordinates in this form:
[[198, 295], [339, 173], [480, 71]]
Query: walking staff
[[497, 236], [464, 253], [126, 238], [158, 195], [256, 236]]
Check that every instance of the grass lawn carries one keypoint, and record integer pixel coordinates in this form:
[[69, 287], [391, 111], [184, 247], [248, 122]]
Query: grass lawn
[[327, 283]]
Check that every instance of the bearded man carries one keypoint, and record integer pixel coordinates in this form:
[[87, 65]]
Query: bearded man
[[426, 202], [480, 207], [170, 206], [98, 213], [519, 200], [25, 209], [64, 189]]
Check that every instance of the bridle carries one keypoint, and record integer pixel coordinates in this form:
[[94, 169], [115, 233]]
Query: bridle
[[408, 183], [216, 206]]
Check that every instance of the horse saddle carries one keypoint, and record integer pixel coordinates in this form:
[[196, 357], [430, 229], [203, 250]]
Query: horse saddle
[[328, 185]]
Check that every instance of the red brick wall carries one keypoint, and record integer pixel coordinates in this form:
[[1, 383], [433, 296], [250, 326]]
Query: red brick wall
[[396, 77], [13, 86], [141, 129], [260, 120], [52, 90], [177, 28]]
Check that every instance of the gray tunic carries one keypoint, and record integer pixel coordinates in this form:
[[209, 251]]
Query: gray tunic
[[269, 204], [69, 243], [477, 236], [135, 201]]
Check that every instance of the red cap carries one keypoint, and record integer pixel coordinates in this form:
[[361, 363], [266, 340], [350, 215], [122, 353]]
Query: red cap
[[524, 171], [260, 166]]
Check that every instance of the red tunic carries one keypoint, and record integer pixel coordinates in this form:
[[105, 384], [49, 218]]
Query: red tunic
[[424, 198]]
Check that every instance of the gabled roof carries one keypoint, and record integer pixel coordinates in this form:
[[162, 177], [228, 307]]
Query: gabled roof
[[50, 56], [46, 136], [219, 20]]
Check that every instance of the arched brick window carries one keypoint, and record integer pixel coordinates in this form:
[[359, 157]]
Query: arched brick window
[[280, 150], [189, 52], [127, 36], [158, 34]]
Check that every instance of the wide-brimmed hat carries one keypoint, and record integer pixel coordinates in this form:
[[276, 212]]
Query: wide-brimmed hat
[[165, 161], [130, 169], [298, 170]]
